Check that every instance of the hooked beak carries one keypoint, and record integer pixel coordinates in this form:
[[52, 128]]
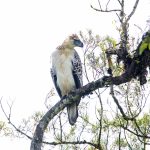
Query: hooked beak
[[78, 43]]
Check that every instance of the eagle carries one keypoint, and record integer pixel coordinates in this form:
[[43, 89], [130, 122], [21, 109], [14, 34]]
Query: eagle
[[66, 72]]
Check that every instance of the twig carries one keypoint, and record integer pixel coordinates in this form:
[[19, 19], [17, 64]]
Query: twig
[[111, 10], [8, 117], [133, 11], [107, 4], [138, 135], [120, 108]]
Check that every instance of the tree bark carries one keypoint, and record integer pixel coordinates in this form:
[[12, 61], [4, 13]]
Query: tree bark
[[36, 142]]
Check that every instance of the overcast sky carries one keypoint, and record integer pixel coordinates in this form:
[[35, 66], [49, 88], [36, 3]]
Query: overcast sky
[[29, 31]]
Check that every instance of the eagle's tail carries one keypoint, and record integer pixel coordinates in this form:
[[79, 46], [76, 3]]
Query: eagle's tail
[[72, 111]]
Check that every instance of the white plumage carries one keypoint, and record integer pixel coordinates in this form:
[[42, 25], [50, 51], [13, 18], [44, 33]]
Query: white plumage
[[66, 72], [63, 68]]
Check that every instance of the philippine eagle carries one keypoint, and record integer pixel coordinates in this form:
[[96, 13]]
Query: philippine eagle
[[66, 72]]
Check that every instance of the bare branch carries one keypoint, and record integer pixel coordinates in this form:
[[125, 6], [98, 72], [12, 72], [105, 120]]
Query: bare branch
[[111, 10], [138, 135], [120, 108], [9, 120], [119, 2], [139, 28], [133, 11], [73, 143], [99, 4], [119, 137], [107, 4]]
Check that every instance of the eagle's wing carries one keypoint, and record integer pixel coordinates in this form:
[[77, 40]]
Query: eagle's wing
[[77, 70], [77, 75], [54, 78]]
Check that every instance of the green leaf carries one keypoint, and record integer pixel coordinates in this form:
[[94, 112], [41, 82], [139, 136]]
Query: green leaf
[[145, 44], [142, 47]]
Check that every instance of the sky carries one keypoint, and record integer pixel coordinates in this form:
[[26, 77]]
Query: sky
[[30, 30]]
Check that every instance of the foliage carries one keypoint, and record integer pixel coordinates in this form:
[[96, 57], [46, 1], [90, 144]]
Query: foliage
[[144, 45], [4, 130], [110, 118]]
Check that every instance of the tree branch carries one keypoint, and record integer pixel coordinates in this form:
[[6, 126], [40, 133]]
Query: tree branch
[[8, 117], [101, 10], [138, 135], [73, 143], [133, 11], [77, 94], [120, 108], [72, 97]]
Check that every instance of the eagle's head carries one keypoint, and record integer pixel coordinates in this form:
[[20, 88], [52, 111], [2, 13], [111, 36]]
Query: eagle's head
[[72, 41]]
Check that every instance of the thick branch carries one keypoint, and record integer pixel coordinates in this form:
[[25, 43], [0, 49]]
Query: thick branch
[[73, 96], [130, 73]]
